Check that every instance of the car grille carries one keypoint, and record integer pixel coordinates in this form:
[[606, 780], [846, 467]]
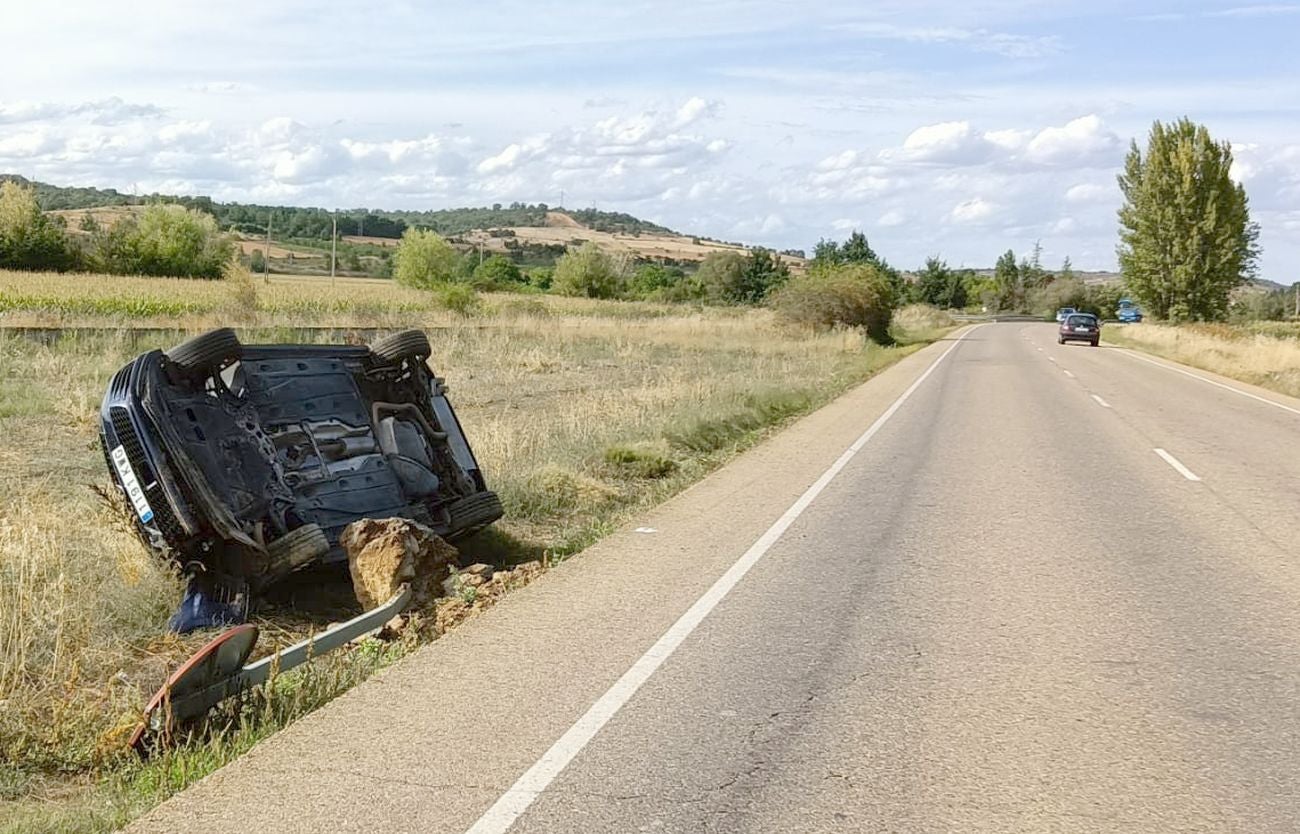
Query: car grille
[[163, 516]]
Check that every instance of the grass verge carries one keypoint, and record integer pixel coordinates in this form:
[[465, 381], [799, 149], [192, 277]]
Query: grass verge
[[1238, 352]]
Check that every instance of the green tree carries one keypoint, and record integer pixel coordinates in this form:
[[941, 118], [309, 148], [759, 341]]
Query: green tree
[[933, 282], [29, 239], [1067, 269], [722, 277], [497, 271], [1186, 239], [424, 259], [1032, 274], [257, 261], [764, 272], [958, 283], [587, 271], [165, 239], [1010, 292]]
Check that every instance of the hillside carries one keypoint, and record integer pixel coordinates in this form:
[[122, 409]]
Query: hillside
[[531, 234]]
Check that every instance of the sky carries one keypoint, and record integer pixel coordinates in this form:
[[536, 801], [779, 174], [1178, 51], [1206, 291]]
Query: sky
[[949, 129]]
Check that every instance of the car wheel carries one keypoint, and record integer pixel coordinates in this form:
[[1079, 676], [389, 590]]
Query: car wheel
[[1060, 341], [205, 355], [1095, 342], [296, 549], [409, 344], [469, 515]]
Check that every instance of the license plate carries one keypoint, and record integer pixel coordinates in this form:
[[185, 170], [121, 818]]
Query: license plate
[[132, 485], [1082, 329]]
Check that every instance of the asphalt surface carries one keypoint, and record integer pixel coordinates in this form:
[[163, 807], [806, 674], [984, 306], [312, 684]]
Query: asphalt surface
[[1008, 612]]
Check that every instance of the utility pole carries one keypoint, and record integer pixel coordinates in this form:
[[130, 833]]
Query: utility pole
[[1297, 299], [266, 261], [334, 240]]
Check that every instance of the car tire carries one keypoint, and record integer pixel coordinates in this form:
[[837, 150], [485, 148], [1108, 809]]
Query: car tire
[[295, 550], [1095, 342], [205, 355], [469, 515], [410, 345], [1059, 340]]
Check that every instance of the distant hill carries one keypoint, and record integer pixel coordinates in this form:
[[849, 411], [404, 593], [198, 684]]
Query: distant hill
[[531, 234], [311, 222]]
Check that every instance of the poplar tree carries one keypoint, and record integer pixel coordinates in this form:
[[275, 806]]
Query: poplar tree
[[1186, 239]]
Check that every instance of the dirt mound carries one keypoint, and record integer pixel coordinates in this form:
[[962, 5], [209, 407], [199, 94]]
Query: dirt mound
[[385, 553], [560, 220]]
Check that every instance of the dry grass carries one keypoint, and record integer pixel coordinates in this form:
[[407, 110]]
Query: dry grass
[[580, 411], [1271, 362]]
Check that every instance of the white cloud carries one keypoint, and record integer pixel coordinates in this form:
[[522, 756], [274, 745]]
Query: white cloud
[[974, 210], [981, 40], [1085, 141], [1090, 193], [892, 218], [28, 144], [945, 142]]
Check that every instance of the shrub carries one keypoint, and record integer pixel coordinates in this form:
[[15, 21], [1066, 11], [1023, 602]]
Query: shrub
[[165, 239], [424, 260], [497, 272], [459, 298], [640, 462], [588, 272], [848, 295], [28, 238]]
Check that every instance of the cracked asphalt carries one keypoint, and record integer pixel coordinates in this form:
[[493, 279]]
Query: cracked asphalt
[[1007, 613]]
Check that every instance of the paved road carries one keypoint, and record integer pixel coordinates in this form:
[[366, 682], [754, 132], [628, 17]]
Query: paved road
[[1007, 612]]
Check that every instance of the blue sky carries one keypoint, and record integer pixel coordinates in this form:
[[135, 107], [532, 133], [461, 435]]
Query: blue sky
[[938, 128]]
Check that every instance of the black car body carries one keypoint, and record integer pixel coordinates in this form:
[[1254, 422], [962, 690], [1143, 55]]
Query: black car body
[[1080, 327], [245, 462]]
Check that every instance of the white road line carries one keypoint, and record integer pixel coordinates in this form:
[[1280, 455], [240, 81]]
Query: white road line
[[1100, 401], [515, 801], [1051, 359], [1264, 400], [1176, 464], [1067, 373], [1040, 350]]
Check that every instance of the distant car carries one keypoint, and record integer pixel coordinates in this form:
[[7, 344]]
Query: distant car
[[1128, 312], [1062, 313], [243, 463], [1080, 327]]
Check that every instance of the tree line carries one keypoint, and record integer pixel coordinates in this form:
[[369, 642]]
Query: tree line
[[162, 239]]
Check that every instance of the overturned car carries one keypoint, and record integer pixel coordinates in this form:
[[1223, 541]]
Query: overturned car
[[243, 463]]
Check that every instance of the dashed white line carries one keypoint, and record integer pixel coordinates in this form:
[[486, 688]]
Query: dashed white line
[[1067, 373], [1100, 401], [1264, 400], [1051, 359], [516, 800], [1177, 465]]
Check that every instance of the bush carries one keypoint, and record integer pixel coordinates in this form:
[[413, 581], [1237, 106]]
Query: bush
[[165, 239], [588, 272], [424, 260], [640, 462], [28, 238], [496, 272], [459, 298], [848, 295]]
